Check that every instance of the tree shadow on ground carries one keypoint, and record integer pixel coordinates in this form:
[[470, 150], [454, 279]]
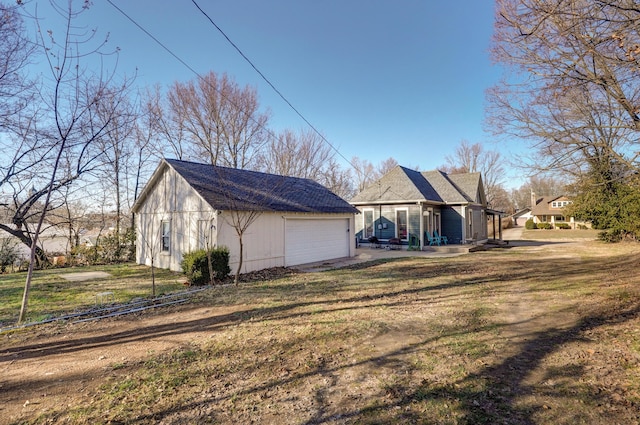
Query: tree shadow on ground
[[488, 396]]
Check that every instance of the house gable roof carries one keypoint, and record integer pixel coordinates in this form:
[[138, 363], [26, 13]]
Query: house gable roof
[[470, 185], [398, 185], [243, 190], [405, 185], [543, 206]]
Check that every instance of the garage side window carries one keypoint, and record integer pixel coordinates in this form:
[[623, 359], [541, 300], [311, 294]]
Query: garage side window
[[166, 236]]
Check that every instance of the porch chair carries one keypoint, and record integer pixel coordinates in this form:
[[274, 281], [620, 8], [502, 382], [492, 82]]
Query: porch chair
[[443, 239], [432, 240]]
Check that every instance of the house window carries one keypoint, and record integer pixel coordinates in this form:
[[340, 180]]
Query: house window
[[165, 243], [368, 231], [401, 224]]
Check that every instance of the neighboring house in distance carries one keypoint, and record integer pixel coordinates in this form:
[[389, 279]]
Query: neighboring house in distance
[[520, 217], [186, 206], [405, 204], [549, 209]]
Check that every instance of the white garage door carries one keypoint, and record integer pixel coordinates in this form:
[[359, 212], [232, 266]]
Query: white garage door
[[311, 240]]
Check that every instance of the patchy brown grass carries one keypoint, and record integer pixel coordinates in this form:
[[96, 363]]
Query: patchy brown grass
[[547, 333]]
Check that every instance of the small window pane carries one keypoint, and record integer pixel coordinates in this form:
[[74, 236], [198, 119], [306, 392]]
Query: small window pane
[[166, 236], [368, 223], [401, 218]]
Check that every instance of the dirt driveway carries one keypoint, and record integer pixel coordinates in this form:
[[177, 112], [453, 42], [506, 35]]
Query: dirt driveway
[[53, 366]]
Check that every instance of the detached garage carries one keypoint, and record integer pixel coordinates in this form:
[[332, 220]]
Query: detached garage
[[284, 221]]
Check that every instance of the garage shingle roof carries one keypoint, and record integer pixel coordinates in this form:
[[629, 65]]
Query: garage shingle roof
[[243, 190]]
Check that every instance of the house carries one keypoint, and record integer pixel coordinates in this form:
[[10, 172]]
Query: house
[[520, 217], [405, 204], [549, 209], [289, 221]]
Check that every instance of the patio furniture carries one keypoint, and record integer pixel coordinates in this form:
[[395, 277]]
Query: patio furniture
[[443, 239], [373, 242], [431, 239], [395, 243]]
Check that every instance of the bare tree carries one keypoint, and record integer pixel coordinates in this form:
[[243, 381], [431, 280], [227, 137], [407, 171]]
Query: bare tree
[[163, 126], [472, 158], [366, 173], [302, 154], [338, 180], [246, 196], [152, 240], [15, 54], [66, 125], [540, 185], [305, 154], [221, 120], [573, 87], [147, 129]]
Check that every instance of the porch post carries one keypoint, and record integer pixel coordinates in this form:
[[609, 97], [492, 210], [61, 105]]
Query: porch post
[[493, 221]]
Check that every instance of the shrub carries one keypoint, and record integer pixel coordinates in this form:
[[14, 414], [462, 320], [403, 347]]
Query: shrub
[[530, 225], [9, 254], [563, 226], [545, 226], [195, 265], [610, 235]]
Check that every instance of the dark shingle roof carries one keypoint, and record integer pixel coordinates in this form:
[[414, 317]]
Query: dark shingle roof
[[398, 185], [242, 190], [468, 184], [402, 184]]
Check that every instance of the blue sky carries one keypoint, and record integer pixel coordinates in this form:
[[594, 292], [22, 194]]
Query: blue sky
[[379, 78]]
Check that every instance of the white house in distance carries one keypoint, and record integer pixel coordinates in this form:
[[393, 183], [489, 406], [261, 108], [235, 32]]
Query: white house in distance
[[186, 206]]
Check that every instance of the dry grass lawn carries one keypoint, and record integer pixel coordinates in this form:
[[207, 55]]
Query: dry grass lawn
[[542, 334]]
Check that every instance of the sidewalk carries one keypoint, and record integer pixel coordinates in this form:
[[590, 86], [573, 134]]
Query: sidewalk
[[367, 254], [513, 233]]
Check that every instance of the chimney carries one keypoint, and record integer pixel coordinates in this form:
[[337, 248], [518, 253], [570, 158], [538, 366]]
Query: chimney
[[533, 199]]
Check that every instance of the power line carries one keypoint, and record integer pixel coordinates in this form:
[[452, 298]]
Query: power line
[[270, 83], [186, 65], [200, 77]]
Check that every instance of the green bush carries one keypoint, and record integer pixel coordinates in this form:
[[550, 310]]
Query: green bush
[[611, 235], [563, 226], [195, 265], [9, 254], [530, 225], [545, 226]]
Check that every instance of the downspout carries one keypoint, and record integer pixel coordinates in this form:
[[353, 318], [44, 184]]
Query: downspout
[[380, 221]]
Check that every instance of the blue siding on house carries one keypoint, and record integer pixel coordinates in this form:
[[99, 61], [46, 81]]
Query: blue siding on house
[[452, 224]]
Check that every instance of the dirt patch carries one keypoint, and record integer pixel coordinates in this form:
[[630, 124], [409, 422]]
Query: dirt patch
[[84, 276]]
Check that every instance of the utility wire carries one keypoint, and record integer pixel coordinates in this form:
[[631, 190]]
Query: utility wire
[[186, 65], [200, 77], [271, 84]]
